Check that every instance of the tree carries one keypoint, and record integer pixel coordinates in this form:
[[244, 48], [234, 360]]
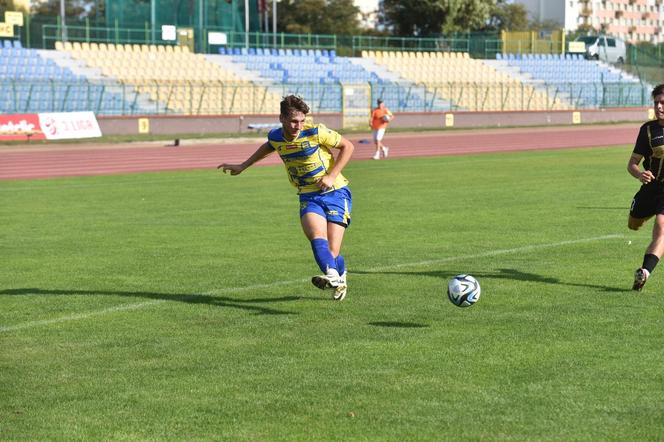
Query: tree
[[545, 25], [318, 17], [7, 5], [432, 17], [508, 17], [73, 8]]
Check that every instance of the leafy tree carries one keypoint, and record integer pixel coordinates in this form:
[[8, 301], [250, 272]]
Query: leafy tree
[[508, 17], [318, 17], [545, 25], [7, 5], [431, 17], [73, 8]]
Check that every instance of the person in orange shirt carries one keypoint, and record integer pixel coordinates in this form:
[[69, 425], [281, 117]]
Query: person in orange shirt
[[380, 118]]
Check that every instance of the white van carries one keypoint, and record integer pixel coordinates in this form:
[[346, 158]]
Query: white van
[[600, 47]]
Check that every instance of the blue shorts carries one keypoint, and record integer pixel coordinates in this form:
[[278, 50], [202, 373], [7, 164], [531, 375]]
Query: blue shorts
[[335, 206]]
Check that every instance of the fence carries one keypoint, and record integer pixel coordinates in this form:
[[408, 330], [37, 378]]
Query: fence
[[52, 33], [478, 45], [213, 98], [43, 32]]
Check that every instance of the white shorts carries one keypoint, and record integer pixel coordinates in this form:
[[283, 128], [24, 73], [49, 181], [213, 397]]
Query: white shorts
[[378, 134]]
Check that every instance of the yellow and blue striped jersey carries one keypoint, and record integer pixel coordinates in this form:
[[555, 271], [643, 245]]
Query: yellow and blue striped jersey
[[308, 157]]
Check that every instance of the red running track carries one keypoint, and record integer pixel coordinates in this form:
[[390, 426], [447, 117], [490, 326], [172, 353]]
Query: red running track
[[60, 160]]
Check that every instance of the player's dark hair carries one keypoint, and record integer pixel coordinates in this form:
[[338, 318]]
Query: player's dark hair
[[659, 90], [293, 103]]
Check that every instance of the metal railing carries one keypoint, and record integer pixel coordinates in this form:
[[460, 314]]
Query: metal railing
[[223, 98], [477, 45]]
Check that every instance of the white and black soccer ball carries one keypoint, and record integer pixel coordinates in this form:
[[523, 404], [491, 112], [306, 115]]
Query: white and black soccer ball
[[463, 290]]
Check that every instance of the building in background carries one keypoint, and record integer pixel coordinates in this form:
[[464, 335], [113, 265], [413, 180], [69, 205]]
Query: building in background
[[630, 20]]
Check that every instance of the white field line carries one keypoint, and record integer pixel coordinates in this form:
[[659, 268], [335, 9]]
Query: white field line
[[495, 252], [139, 305]]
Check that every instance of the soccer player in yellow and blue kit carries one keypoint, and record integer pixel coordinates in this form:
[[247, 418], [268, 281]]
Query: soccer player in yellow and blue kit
[[325, 199]]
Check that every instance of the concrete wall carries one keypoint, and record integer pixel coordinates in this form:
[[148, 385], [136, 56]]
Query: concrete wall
[[180, 125]]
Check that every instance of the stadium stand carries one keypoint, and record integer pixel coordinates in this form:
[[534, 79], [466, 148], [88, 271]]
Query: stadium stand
[[31, 81], [318, 75], [468, 83], [122, 79], [588, 83], [176, 80]]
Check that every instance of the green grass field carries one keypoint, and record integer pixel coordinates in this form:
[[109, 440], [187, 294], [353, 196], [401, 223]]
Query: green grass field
[[177, 306]]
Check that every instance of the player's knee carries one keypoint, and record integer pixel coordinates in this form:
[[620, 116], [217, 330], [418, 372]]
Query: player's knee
[[634, 224]]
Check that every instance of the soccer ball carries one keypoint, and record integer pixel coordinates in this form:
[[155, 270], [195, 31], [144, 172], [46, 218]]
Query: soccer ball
[[386, 118], [463, 290]]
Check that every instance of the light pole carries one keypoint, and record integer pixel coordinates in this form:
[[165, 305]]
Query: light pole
[[274, 23], [62, 19], [199, 33], [246, 24], [153, 18]]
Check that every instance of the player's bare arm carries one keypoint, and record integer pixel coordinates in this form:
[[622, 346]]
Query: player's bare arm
[[346, 149], [236, 169], [645, 176]]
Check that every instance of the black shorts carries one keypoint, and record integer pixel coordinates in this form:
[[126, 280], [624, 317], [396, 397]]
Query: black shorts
[[648, 201]]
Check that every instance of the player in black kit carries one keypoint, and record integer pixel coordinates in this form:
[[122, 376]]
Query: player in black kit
[[649, 200]]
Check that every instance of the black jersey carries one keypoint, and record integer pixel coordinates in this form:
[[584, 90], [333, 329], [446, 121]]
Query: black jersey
[[650, 144]]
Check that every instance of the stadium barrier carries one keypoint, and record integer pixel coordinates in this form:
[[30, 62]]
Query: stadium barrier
[[49, 126], [178, 125], [263, 126], [218, 98], [478, 44]]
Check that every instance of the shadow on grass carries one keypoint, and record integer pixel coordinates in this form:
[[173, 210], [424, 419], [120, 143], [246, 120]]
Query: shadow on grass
[[603, 208], [512, 274], [397, 324], [219, 301]]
